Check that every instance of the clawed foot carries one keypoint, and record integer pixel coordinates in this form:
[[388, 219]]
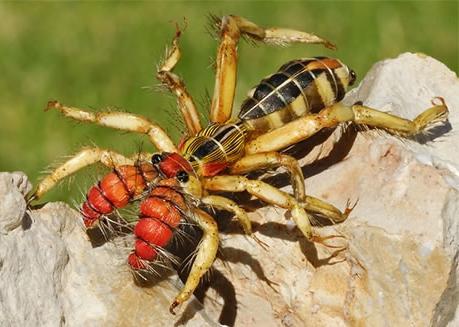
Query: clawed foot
[[350, 207], [173, 306]]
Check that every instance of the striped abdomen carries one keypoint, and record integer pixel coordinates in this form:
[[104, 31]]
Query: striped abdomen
[[299, 87], [214, 147]]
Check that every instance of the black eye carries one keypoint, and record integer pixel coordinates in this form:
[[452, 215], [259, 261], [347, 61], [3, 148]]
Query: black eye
[[182, 176], [156, 159], [352, 77]]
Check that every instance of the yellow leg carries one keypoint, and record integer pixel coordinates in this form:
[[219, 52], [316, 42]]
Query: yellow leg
[[84, 158], [221, 202], [325, 209], [272, 160], [231, 28], [174, 84], [120, 120], [264, 192], [207, 251], [275, 159], [307, 126]]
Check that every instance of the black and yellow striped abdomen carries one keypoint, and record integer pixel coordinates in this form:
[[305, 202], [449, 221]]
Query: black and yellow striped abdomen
[[299, 87]]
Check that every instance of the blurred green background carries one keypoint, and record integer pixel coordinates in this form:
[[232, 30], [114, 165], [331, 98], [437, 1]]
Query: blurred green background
[[98, 55]]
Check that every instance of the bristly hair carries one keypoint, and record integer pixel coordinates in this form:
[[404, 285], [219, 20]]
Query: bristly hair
[[188, 261], [213, 28], [139, 145], [213, 25], [175, 120], [212, 63], [205, 102]]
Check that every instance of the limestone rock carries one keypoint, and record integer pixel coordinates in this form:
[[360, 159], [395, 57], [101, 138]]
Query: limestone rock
[[13, 187], [400, 268]]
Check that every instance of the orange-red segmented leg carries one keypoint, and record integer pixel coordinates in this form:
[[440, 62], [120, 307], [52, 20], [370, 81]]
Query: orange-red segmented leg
[[231, 28], [175, 84], [116, 190]]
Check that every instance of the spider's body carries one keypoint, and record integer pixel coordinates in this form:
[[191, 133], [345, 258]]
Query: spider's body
[[291, 105], [298, 88]]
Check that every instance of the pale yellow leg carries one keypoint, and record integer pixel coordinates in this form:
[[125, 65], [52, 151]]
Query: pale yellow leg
[[231, 28], [120, 120], [223, 203], [325, 209], [264, 192], [84, 158], [273, 160], [307, 126], [207, 251], [175, 84]]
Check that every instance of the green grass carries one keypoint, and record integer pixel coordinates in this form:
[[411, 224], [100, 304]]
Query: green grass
[[99, 55]]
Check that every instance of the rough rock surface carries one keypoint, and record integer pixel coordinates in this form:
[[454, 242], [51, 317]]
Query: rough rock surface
[[400, 269]]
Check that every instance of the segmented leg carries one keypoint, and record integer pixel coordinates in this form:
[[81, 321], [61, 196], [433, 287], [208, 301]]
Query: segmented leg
[[231, 28], [84, 158], [276, 159], [120, 120], [207, 251], [175, 84], [307, 126], [266, 193], [326, 210], [273, 160], [221, 202]]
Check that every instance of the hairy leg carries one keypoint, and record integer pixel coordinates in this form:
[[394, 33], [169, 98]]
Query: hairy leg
[[273, 160], [326, 210], [306, 126], [266, 193], [120, 120], [175, 84], [207, 251], [83, 158], [221, 202]]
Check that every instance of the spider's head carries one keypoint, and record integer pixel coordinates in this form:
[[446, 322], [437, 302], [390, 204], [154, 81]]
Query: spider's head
[[174, 166], [170, 163]]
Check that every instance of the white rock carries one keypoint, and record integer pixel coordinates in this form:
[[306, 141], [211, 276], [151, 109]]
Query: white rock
[[405, 86], [13, 187]]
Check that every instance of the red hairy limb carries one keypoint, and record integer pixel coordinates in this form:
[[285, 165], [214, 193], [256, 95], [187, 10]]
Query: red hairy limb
[[116, 190]]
